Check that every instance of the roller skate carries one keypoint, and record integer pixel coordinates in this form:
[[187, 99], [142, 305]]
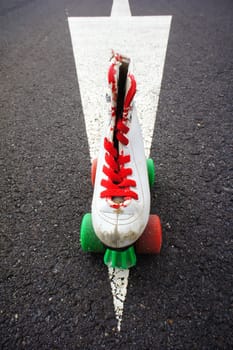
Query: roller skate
[[120, 223]]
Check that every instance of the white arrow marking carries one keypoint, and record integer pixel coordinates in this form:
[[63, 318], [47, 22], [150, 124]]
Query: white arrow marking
[[120, 8], [143, 39]]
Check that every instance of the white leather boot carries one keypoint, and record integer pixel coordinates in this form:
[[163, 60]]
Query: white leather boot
[[121, 199]]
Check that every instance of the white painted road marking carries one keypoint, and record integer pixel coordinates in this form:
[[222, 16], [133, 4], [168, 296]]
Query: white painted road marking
[[144, 40], [120, 8], [119, 282]]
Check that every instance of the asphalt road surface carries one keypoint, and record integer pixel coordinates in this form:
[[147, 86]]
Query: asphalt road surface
[[53, 296]]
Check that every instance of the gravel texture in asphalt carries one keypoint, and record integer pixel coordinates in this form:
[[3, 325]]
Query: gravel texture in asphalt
[[53, 296]]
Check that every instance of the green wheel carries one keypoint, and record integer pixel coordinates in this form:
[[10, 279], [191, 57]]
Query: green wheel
[[151, 171], [88, 239]]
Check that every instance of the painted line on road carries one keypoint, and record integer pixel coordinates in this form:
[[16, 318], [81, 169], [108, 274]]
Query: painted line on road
[[144, 40], [120, 8]]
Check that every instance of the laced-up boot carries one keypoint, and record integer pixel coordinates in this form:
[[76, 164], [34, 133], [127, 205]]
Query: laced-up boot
[[121, 199]]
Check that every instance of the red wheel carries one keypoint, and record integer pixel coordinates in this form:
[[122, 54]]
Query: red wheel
[[150, 241], [93, 171]]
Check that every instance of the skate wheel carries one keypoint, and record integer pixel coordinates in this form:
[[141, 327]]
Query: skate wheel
[[151, 171], [150, 241], [88, 239], [93, 171]]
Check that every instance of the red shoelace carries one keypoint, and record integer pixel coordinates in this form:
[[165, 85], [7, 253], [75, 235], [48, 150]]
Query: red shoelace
[[118, 184]]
